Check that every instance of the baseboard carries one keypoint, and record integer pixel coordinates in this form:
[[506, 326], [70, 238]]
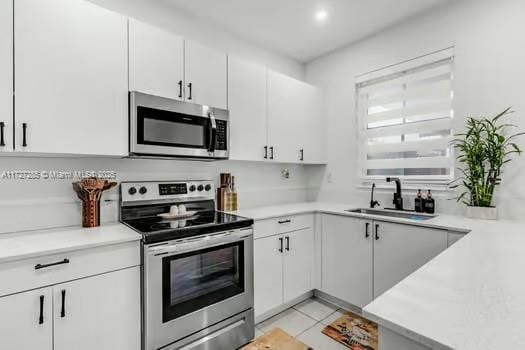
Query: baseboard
[[337, 302], [282, 307]]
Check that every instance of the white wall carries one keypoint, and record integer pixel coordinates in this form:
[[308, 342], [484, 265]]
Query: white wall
[[489, 45], [34, 204], [160, 13]]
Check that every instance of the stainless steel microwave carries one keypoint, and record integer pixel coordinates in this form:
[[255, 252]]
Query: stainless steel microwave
[[163, 127]]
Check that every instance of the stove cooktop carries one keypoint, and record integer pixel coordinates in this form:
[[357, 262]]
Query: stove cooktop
[[155, 229]]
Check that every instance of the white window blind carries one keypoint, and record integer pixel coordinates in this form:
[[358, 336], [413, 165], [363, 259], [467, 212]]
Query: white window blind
[[405, 121]]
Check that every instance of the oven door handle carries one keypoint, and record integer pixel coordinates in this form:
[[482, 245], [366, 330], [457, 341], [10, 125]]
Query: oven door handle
[[183, 247], [213, 133]]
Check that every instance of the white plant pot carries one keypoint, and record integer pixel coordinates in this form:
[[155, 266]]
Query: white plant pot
[[483, 213]]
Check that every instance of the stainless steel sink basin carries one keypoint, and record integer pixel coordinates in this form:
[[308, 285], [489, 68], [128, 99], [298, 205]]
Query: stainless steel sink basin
[[394, 214]]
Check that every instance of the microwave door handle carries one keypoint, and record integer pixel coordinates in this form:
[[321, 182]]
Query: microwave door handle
[[213, 133]]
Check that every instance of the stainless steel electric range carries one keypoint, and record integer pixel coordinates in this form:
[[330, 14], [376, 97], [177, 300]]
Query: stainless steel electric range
[[197, 266]]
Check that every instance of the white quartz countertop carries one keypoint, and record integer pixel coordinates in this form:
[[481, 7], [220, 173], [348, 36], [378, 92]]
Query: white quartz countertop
[[27, 244], [469, 297]]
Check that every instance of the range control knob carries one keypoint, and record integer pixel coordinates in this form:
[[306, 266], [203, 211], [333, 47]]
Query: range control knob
[[207, 187], [192, 188], [200, 188], [132, 190], [143, 190]]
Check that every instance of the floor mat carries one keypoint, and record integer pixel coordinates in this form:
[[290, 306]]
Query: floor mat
[[354, 331], [276, 339]]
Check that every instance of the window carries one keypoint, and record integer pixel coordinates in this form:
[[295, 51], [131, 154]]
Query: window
[[405, 120]]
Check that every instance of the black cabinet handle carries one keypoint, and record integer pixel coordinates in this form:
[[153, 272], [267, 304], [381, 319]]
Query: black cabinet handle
[[63, 309], [280, 245], [284, 221], [377, 232], [180, 88], [2, 141], [190, 87], [287, 243], [271, 152], [301, 157], [24, 134], [367, 225], [43, 266], [41, 317], [265, 152]]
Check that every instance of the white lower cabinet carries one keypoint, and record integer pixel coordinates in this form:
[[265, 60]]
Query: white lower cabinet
[[268, 274], [282, 268], [347, 259], [297, 267], [100, 312], [26, 320], [361, 259], [399, 250]]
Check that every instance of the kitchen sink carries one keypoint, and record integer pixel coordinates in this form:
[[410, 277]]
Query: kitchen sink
[[392, 213]]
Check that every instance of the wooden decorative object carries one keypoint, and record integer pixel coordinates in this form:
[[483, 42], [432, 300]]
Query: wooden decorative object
[[89, 191]]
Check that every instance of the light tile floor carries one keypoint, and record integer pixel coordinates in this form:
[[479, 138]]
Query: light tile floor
[[305, 321]]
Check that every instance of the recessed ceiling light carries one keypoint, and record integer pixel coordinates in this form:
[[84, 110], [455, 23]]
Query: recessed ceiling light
[[321, 15]]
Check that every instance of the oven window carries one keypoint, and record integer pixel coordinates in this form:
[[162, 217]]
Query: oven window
[[202, 278]]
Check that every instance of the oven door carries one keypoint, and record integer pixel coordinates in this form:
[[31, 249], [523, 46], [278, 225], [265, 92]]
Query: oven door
[[194, 284], [164, 127]]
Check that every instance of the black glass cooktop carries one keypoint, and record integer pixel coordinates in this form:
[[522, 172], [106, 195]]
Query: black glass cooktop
[[155, 228]]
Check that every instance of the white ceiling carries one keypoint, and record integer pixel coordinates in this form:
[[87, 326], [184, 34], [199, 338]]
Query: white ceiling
[[288, 26]]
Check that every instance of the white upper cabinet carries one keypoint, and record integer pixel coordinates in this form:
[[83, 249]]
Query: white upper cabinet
[[206, 75], [156, 61], [294, 120], [284, 136], [247, 105], [312, 125], [6, 74], [71, 78], [27, 321]]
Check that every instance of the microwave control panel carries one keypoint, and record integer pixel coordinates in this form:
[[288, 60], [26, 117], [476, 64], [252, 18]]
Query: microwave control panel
[[222, 135]]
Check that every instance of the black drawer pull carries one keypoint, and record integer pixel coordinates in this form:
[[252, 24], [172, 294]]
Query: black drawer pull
[[63, 309], [2, 141], [24, 134], [284, 221], [287, 243], [41, 317], [280, 245], [43, 266]]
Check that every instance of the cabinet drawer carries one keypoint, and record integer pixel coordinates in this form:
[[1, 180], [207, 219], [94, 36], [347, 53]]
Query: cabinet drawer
[[17, 276], [269, 227]]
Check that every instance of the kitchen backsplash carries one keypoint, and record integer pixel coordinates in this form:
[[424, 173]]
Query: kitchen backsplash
[[27, 204]]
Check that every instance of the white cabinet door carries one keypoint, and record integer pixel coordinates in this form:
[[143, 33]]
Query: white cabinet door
[[347, 259], [156, 61], [399, 250], [6, 74], [247, 105], [312, 126], [284, 129], [100, 312], [71, 78], [22, 325], [268, 274], [206, 75], [298, 259]]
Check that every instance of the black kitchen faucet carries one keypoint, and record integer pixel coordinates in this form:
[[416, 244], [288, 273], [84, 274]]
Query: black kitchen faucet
[[398, 199]]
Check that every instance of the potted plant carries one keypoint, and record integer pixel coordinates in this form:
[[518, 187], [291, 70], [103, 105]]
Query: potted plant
[[483, 150]]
